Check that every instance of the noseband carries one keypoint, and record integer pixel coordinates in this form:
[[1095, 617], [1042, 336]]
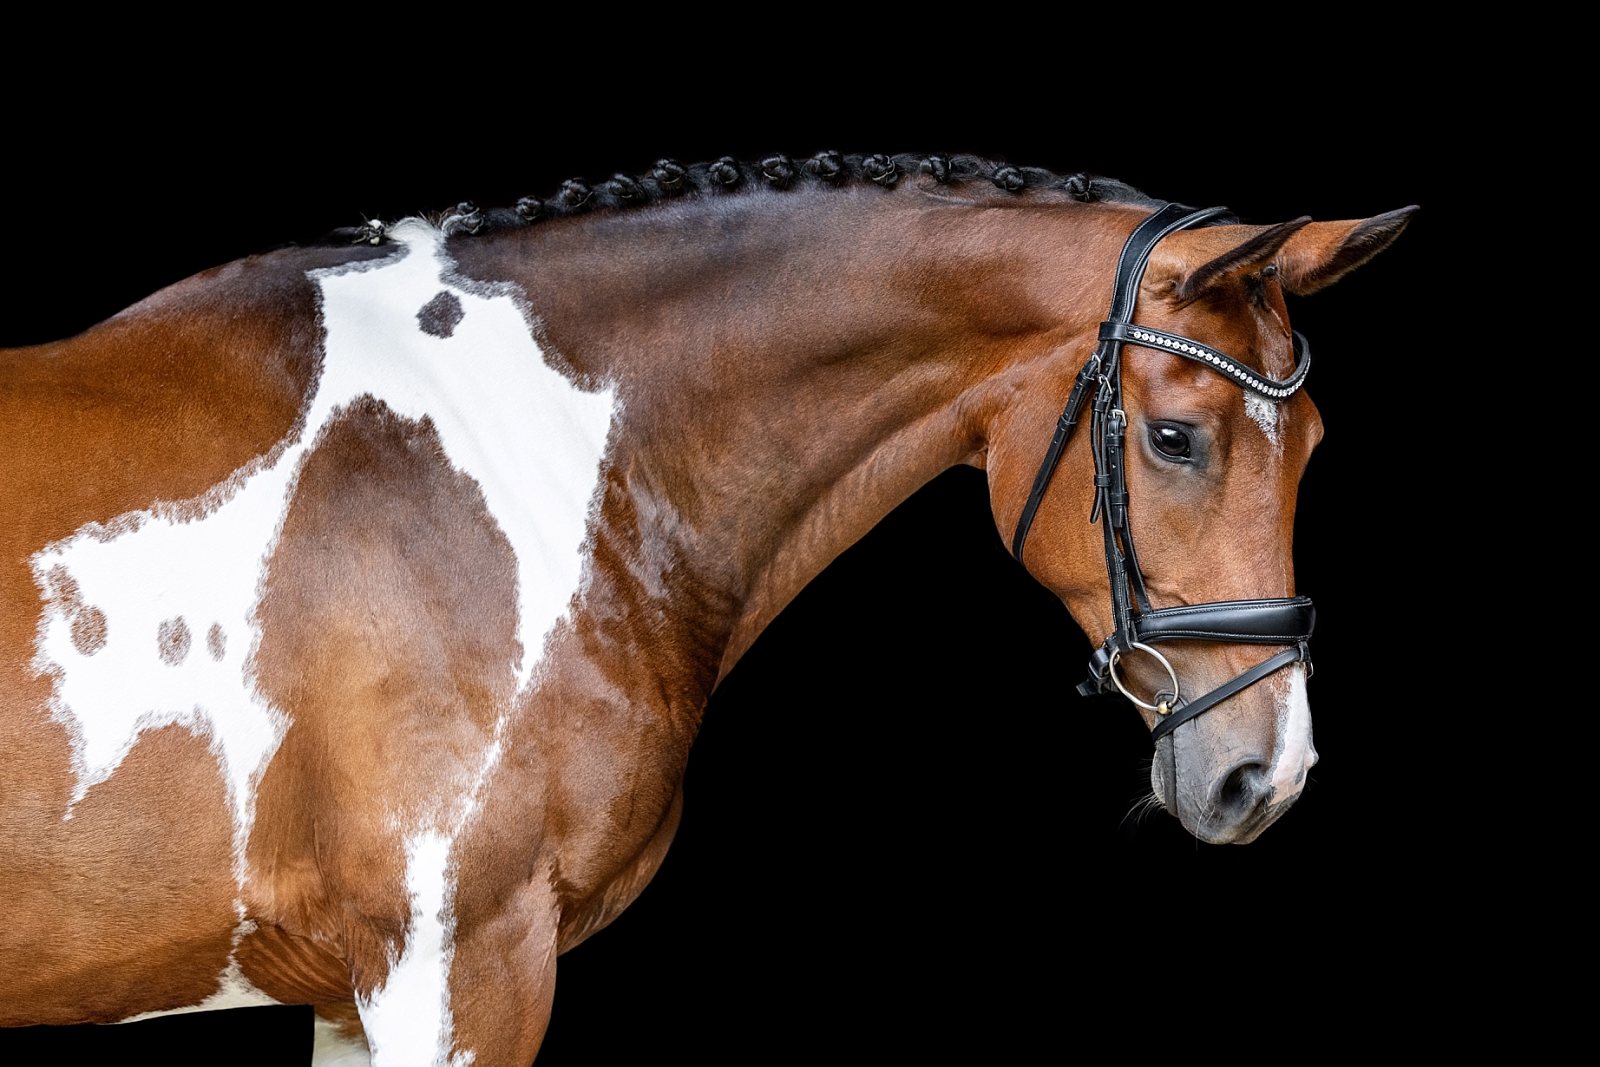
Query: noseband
[[1280, 621]]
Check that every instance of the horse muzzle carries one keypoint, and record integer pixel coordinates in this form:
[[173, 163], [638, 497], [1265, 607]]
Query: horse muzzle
[[1230, 775]]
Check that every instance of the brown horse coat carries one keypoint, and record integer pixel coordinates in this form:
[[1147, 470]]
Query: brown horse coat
[[360, 604]]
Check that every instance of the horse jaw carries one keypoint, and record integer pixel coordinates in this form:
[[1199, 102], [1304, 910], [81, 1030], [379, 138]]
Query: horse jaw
[[1225, 794]]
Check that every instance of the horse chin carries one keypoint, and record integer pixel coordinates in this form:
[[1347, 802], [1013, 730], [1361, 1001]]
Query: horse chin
[[1226, 789]]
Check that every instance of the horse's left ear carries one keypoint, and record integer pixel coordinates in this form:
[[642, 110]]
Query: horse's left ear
[[1321, 253]]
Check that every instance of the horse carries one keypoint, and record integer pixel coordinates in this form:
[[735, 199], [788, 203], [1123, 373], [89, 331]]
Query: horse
[[362, 598]]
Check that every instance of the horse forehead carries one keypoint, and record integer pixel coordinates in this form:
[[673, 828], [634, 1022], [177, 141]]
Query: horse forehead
[[1258, 336]]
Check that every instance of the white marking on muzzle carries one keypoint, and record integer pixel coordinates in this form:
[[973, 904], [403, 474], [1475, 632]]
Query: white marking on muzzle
[[1295, 755]]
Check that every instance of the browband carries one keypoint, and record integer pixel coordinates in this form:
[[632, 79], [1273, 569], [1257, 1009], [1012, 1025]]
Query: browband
[[1260, 384], [1278, 621]]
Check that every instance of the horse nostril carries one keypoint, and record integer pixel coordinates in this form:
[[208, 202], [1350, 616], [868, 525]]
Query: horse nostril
[[1243, 789]]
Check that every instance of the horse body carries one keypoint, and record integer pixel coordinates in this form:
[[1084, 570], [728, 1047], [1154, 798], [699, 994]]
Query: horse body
[[361, 604]]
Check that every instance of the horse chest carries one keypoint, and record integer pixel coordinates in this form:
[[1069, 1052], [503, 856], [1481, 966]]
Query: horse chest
[[157, 617]]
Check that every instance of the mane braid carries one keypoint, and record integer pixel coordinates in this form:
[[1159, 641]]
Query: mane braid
[[670, 180]]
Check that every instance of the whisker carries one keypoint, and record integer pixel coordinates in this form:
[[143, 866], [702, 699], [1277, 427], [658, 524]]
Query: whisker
[[1142, 809]]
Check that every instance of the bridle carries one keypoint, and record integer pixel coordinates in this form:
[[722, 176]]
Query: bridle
[[1279, 621]]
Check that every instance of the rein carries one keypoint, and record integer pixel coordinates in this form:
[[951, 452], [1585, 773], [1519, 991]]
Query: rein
[[1277, 621]]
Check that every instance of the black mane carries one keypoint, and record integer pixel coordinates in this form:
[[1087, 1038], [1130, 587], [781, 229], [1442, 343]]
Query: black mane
[[670, 180]]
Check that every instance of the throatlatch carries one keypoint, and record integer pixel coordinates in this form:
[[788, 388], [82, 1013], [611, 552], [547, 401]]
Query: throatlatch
[[1279, 621]]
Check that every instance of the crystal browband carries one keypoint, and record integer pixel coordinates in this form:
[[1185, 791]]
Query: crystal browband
[[1260, 384]]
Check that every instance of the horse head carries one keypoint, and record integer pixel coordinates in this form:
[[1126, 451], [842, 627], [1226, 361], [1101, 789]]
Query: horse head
[[1211, 449]]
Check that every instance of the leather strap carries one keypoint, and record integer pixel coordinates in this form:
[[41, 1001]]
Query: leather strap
[[1169, 219], [1125, 292], [1222, 692], [1284, 621], [1052, 456]]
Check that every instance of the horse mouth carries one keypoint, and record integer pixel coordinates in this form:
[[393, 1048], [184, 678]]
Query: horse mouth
[[1246, 831]]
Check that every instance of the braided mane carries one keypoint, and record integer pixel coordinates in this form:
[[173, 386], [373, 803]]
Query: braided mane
[[670, 180]]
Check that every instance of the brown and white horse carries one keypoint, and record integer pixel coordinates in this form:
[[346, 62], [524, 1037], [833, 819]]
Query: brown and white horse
[[361, 601]]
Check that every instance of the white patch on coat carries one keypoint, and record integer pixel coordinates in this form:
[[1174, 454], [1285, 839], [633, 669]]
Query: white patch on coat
[[408, 1019], [1264, 413], [531, 439], [234, 990], [1295, 754], [330, 1048]]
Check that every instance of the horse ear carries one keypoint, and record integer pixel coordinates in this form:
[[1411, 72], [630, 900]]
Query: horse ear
[[1187, 263], [1255, 251], [1323, 252]]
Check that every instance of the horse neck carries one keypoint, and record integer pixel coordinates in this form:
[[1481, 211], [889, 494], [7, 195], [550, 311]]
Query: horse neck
[[790, 367]]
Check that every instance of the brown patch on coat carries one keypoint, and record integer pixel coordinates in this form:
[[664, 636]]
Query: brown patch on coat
[[292, 969], [389, 635], [503, 977], [600, 910], [128, 906], [441, 315], [88, 623], [216, 642], [89, 630], [172, 641]]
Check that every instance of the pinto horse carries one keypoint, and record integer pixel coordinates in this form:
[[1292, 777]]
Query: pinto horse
[[362, 600]]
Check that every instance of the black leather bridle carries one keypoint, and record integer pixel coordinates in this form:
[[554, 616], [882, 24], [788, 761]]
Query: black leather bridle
[[1280, 621]]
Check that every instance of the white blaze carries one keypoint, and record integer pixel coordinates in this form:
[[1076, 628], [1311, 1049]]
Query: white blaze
[[527, 435]]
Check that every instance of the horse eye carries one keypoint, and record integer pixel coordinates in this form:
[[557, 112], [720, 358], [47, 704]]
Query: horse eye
[[1170, 442]]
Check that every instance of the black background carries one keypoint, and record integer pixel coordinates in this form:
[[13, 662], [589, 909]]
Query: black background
[[904, 834]]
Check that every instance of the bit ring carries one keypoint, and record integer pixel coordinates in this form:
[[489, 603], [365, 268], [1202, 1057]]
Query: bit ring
[[1166, 706]]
